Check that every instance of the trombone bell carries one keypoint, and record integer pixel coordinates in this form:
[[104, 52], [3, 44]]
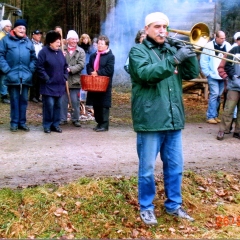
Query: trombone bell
[[199, 34]]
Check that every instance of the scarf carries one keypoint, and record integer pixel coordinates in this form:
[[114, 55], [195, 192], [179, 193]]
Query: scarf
[[219, 47], [97, 59], [71, 50]]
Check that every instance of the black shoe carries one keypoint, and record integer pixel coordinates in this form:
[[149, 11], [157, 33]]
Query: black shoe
[[56, 129], [101, 130], [24, 128], [13, 129], [40, 100], [47, 130], [34, 100], [236, 135], [95, 128], [63, 123], [5, 100], [77, 123], [220, 135]]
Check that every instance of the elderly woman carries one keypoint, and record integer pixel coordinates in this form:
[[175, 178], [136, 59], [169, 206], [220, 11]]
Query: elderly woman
[[101, 63], [53, 74], [75, 57], [18, 63]]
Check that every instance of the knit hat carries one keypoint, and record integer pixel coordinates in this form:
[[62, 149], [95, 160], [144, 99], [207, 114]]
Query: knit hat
[[236, 35], [72, 34], [52, 36], [20, 22], [155, 17], [5, 23]]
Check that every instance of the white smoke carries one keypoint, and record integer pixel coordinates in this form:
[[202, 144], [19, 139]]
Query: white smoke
[[123, 22]]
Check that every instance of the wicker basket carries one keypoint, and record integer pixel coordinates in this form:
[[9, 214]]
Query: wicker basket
[[94, 83]]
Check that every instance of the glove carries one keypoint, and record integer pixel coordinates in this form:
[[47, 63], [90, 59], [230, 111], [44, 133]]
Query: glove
[[175, 43], [184, 53]]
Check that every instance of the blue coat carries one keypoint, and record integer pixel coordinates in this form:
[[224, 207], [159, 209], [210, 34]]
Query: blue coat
[[17, 60], [52, 72]]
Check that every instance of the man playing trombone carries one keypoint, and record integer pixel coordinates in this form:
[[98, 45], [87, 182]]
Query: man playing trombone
[[209, 66], [157, 70]]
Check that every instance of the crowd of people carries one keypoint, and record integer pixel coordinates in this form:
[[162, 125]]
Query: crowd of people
[[156, 67], [51, 71]]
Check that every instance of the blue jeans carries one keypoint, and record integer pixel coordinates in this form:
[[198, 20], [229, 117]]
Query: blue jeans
[[51, 111], [74, 95], [18, 104], [3, 88], [169, 144], [216, 87]]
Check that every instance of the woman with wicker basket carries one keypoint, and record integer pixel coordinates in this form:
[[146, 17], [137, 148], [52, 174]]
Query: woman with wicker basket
[[101, 63]]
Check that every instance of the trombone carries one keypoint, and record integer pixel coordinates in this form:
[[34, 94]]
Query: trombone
[[199, 36]]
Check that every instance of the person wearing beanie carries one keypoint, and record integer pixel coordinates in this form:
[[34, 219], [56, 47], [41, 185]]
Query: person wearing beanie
[[157, 69], [52, 73], [20, 22], [18, 63], [236, 38], [75, 57], [230, 73], [6, 26]]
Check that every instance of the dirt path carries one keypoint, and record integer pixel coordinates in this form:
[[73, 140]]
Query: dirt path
[[35, 158]]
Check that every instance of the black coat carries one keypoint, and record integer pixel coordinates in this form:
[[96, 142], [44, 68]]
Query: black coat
[[52, 72], [106, 68]]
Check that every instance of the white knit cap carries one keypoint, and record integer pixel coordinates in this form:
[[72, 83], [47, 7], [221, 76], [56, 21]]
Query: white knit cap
[[4, 23], [72, 34], [236, 35], [155, 17]]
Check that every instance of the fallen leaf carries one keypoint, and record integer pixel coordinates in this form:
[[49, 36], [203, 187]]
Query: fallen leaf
[[201, 189], [229, 198], [78, 204], [58, 194], [172, 230], [220, 192], [135, 233], [235, 187], [60, 211]]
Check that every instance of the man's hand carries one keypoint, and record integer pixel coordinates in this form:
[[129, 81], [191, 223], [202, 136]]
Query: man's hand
[[175, 43], [184, 53]]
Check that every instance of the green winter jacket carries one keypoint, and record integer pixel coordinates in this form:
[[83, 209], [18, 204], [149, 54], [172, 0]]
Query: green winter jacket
[[156, 88]]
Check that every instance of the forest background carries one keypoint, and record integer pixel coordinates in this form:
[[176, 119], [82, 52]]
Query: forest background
[[88, 16], [121, 19]]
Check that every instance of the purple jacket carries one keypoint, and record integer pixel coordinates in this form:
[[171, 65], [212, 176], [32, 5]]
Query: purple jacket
[[52, 72]]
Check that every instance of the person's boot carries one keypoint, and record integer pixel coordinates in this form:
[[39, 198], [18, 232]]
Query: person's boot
[[5, 99]]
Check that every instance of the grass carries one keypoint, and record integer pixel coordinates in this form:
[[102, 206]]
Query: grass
[[108, 208]]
